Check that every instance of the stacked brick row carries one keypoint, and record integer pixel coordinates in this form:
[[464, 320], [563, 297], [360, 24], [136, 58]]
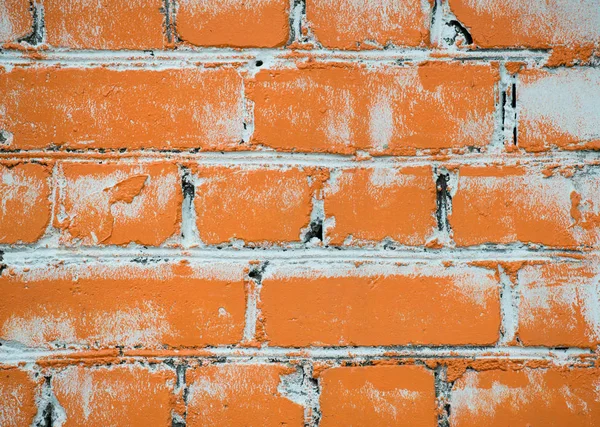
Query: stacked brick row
[[305, 212]]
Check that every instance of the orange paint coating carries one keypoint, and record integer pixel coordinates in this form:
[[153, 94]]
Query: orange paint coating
[[118, 204], [24, 202], [558, 305], [104, 24], [125, 305], [422, 307], [254, 205], [102, 108], [132, 394], [527, 397], [359, 24], [383, 110], [240, 395], [235, 23], [559, 109], [16, 20], [17, 398], [372, 204], [537, 24], [378, 396], [505, 205]]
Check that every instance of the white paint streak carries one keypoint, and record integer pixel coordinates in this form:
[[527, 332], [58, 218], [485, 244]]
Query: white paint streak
[[567, 100]]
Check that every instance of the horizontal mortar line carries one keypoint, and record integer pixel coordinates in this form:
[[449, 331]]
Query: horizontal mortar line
[[295, 353], [18, 255], [312, 159], [224, 55]]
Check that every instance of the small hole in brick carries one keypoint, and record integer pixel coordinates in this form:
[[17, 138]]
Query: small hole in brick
[[259, 63]]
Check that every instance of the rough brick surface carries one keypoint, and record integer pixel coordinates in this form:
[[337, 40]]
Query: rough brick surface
[[307, 213], [370, 204], [25, 203], [129, 305], [348, 305], [252, 205], [239, 395], [234, 23], [516, 204], [378, 395], [104, 24], [102, 108], [17, 393], [342, 109], [559, 304], [16, 21], [526, 397], [358, 24], [115, 204], [92, 396], [559, 108], [529, 23]]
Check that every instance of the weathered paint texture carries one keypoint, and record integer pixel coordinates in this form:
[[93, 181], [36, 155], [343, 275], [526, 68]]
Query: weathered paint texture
[[536, 24], [254, 23], [357, 24], [299, 213]]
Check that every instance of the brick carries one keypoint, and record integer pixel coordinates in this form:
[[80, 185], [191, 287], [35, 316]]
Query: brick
[[559, 109], [537, 24], [105, 24], [254, 205], [234, 23], [103, 108], [345, 305], [358, 24], [378, 396], [553, 397], [130, 395], [17, 393], [376, 203], [559, 305], [240, 395], [520, 204], [391, 110], [24, 202], [118, 204], [123, 304], [17, 20]]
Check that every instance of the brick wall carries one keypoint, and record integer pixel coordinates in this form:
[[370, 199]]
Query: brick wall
[[307, 212]]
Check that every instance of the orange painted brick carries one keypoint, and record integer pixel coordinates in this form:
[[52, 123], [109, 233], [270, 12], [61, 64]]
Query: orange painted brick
[[130, 395], [529, 23], [119, 204], [559, 305], [559, 109], [18, 391], [24, 202], [354, 24], [16, 19], [529, 397], [341, 304], [254, 205], [393, 110], [378, 396], [104, 108], [233, 23], [517, 204], [240, 395], [105, 24], [372, 204], [123, 304]]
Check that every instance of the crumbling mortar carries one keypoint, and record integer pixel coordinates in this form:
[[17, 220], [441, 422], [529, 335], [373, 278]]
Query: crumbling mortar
[[253, 312], [38, 30], [442, 394]]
